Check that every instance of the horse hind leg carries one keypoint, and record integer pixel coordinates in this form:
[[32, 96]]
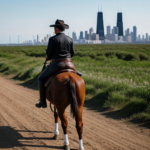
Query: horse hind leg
[[64, 124], [79, 127], [56, 131]]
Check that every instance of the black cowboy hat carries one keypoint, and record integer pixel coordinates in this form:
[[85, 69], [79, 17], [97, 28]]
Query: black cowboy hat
[[60, 23]]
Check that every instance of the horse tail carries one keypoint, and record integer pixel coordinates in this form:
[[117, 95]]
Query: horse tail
[[73, 97]]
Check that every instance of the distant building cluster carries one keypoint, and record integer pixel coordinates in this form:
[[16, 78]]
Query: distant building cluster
[[37, 41], [113, 35], [90, 38]]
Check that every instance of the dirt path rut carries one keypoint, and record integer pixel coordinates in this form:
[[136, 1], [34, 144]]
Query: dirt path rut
[[24, 127]]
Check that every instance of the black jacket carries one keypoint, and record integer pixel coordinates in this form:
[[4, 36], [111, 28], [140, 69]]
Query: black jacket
[[60, 46]]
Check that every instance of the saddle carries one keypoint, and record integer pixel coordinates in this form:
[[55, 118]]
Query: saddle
[[69, 67], [48, 82]]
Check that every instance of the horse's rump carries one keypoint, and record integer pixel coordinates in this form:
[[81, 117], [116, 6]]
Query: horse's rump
[[68, 86]]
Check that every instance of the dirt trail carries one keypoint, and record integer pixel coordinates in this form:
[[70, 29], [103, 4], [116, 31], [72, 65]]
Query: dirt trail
[[24, 127]]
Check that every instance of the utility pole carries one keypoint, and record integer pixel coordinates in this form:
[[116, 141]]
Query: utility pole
[[18, 38]]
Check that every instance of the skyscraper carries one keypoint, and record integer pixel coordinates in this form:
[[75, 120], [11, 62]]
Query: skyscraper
[[132, 37], [120, 23], [116, 30], [139, 37], [114, 35], [147, 39], [134, 33], [100, 26], [108, 35], [74, 37], [38, 38], [128, 32], [95, 36], [86, 33], [125, 32], [45, 40], [91, 30], [113, 31], [143, 37], [81, 35], [108, 29], [47, 37]]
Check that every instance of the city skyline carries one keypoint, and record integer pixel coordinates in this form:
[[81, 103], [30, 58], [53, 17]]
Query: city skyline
[[116, 34], [113, 35], [17, 20], [94, 36]]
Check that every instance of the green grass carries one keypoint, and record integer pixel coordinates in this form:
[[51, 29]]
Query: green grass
[[117, 77]]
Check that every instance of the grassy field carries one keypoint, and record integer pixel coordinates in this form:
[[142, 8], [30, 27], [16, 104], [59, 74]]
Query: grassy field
[[117, 77]]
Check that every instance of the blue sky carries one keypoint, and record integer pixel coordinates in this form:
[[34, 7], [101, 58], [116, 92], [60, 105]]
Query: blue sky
[[32, 17]]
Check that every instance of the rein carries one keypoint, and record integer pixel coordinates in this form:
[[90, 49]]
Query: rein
[[51, 108], [44, 66]]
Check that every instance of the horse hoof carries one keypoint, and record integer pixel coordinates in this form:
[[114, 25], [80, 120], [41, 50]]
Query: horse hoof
[[55, 137], [66, 147]]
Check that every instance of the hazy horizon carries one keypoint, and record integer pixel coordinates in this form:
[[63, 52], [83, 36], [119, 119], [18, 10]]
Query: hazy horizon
[[27, 18]]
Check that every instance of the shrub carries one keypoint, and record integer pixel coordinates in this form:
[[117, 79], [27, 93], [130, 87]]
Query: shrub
[[5, 55], [127, 57], [7, 69], [117, 87], [116, 99], [143, 56], [138, 92], [120, 55], [136, 105], [35, 54], [90, 89], [79, 54], [27, 74], [100, 58], [109, 54], [130, 57]]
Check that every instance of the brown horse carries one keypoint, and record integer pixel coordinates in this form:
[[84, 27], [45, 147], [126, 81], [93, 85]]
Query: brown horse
[[67, 88]]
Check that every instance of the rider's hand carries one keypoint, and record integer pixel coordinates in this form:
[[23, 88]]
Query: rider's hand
[[46, 57]]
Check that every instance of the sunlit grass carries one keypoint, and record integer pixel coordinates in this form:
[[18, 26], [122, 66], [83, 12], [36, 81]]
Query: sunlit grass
[[116, 76]]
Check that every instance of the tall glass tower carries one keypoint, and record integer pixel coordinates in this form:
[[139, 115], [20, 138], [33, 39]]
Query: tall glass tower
[[100, 26], [108, 29], [119, 24], [134, 33], [81, 35]]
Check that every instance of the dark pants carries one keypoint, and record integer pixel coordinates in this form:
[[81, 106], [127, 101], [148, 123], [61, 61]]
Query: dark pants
[[50, 70]]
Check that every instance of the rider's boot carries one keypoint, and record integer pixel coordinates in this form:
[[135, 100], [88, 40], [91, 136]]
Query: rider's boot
[[42, 101]]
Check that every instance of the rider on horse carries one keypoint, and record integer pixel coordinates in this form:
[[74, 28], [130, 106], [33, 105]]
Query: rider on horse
[[60, 49]]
